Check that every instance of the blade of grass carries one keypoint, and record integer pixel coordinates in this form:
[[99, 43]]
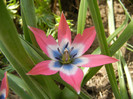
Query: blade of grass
[[65, 95], [130, 49], [28, 12], [127, 33], [123, 90], [60, 8], [128, 76], [82, 16], [118, 30], [125, 9], [130, 45], [111, 23], [95, 13], [25, 28]]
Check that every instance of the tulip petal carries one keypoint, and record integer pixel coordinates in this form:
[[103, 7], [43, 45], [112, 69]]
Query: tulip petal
[[4, 87], [64, 33], [72, 75], [47, 67], [47, 44], [83, 42], [93, 60]]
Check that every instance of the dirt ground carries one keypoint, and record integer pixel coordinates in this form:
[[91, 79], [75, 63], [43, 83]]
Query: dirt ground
[[99, 86]]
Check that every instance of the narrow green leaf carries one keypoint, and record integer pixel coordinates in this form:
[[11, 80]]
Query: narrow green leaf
[[127, 33], [29, 17], [118, 30], [127, 13], [60, 8], [129, 47], [29, 12], [36, 54], [25, 28], [82, 16], [123, 90], [111, 23], [128, 76], [68, 94]]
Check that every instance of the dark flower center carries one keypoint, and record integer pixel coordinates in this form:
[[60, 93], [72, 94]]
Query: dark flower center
[[66, 57]]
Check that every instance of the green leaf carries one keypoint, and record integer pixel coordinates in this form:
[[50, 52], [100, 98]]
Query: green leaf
[[111, 23], [82, 16], [127, 13], [126, 34], [128, 77], [123, 90], [28, 11], [25, 28], [68, 94]]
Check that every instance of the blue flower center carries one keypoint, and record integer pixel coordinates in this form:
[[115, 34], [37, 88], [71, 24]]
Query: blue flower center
[[2, 96], [66, 56]]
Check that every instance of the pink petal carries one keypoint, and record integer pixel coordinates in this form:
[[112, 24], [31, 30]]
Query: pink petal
[[4, 86], [83, 42], [64, 33], [73, 78], [94, 60], [47, 44], [47, 67]]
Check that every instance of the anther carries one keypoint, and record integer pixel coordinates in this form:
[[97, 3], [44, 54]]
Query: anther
[[59, 50], [74, 55], [66, 45], [57, 58], [71, 49]]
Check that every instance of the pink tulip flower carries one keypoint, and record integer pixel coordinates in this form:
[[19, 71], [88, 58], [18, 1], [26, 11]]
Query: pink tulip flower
[[67, 57], [4, 87]]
